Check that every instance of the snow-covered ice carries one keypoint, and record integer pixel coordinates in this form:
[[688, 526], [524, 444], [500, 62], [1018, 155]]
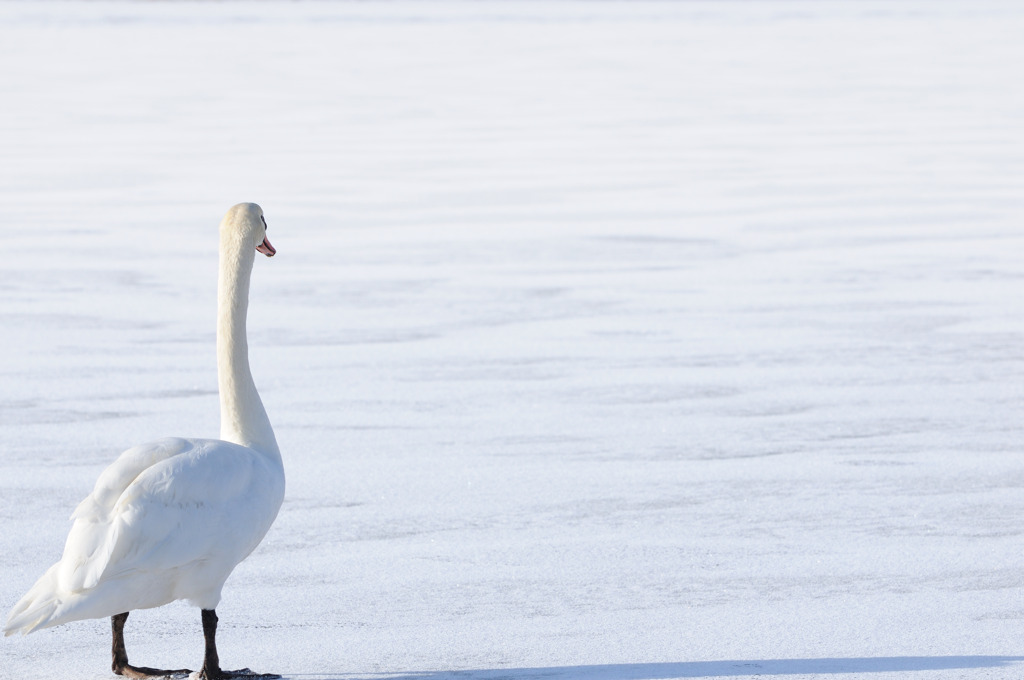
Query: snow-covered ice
[[625, 341]]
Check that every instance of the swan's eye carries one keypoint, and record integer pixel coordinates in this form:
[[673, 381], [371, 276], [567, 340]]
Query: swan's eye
[[265, 227]]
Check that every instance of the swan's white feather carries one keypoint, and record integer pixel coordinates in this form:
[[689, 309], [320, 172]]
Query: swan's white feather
[[167, 520]]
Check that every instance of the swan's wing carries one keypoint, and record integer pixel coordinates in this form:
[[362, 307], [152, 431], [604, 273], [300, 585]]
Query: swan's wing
[[84, 548], [181, 509], [120, 474]]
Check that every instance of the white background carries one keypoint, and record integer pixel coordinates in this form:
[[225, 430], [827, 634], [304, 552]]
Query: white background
[[626, 341]]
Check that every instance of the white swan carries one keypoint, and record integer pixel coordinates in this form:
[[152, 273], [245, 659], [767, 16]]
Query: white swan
[[171, 519]]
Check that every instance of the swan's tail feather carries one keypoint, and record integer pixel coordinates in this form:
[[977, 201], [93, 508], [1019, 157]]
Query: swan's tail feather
[[32, 619], [38, 609]]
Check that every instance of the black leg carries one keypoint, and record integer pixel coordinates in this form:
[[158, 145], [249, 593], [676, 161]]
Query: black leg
[[211, 661], [120, 664], [119, 653]]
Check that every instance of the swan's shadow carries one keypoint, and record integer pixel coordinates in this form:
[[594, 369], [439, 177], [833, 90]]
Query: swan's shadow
[[712, 669]]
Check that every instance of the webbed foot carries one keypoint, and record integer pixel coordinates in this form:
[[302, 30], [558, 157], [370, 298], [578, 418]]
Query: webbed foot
[[143, 672], [243, 673]]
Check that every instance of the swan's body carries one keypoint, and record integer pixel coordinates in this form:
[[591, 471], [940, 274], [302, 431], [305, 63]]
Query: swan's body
[[167, 521], [171, 519]]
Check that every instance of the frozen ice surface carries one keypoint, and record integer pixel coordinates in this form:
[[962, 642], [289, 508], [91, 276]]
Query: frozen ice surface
[[625, 341]]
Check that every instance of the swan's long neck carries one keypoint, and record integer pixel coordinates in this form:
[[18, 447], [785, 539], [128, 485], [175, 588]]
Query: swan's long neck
[[243, 419]]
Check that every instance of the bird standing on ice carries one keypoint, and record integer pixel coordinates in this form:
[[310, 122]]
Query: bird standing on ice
[[171, 519]]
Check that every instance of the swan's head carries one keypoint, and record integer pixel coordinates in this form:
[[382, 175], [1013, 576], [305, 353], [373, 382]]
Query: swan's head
[[245, 223]]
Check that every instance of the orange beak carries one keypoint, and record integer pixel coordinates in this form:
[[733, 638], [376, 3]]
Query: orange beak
[[266, 248]]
